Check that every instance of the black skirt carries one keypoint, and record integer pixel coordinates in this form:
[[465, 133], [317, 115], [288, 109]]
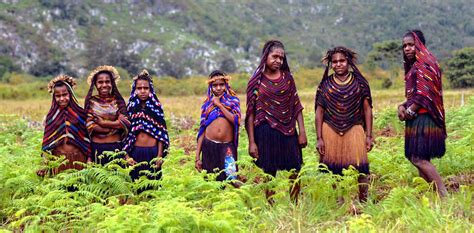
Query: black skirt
[[145, 154], [213, 156], [98, 149], [424, 139], [277, 151]]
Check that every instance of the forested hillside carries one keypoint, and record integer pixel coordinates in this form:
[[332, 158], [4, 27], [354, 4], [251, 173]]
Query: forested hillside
[[184, 37]]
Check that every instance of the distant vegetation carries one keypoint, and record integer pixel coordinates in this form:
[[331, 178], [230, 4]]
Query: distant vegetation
[[183, 38], [461, 68], [24, 86]]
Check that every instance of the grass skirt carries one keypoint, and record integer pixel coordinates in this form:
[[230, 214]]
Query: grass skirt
[[71, 157], [423, 138], [345, 150]]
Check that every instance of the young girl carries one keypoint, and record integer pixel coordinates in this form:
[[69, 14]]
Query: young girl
[[219, 132], [423, 111], [106, 113], [65, 129], [147, 139]]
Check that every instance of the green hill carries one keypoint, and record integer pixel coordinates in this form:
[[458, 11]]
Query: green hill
[[184, 37]]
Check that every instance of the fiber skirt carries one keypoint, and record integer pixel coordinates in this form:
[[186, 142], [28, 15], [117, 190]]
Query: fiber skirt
[[145, 154], [71, 157], [277, 151], [98, 150], [424, 139], [213, 156], [345, 150]]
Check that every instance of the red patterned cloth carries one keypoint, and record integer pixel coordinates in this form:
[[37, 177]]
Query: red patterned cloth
[[423, 84], [273, 101]]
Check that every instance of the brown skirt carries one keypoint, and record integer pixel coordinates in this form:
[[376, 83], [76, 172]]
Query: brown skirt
[[71, 157], [345, 150]]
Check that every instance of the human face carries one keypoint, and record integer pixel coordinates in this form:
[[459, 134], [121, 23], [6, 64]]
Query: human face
[[339, 64], [142, 89], [103, 84], [218, 87], [409, 47], [61, 96], [275, 59]]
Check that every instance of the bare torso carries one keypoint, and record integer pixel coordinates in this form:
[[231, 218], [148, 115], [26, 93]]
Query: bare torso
[[220, 130], [109, 139], [66, 148], [145, 140], [72, 154]]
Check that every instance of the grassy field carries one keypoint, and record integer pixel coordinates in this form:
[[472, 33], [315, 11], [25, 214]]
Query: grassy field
[[183, 201]]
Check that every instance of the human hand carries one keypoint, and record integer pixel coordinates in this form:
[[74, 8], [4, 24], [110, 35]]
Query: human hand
[[198, 165], [401, 113], [253, 150], [369, 142], [216, 100], [320, 147], [99, 120], [159, 162], [302, 140], [130, 160]]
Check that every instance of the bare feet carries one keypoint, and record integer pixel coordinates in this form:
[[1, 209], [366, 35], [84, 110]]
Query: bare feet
[[41, 172]]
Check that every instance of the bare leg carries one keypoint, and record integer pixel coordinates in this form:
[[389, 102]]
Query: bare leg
[[269, 195], [363, 187], [422, 175], [268, 192], [429, 170], [295, 188]]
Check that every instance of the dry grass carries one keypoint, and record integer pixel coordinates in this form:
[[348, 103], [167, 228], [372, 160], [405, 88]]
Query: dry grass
[[189, 106]]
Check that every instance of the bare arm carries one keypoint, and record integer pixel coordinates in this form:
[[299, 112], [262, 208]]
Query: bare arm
[[198, 162], [117, 124], [318, 121], [368, 119], [100, 129], [302, 140], [228, 115], [93, 126], [159, 156], [250, 127]]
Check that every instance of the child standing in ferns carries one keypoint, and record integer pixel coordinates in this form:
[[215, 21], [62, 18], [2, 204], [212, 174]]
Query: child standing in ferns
[[147, 140]]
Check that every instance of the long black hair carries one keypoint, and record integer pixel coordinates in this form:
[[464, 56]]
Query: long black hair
[[268, 48]]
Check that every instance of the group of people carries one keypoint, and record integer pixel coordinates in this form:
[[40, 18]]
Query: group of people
[[273, 120], [106, 123]]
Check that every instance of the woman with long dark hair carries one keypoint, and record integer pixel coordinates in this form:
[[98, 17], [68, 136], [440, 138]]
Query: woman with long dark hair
[[423, 111], [344, 116], [273, 108]]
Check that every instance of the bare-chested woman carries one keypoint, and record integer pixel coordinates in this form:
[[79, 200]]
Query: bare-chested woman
[[219, 132]]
